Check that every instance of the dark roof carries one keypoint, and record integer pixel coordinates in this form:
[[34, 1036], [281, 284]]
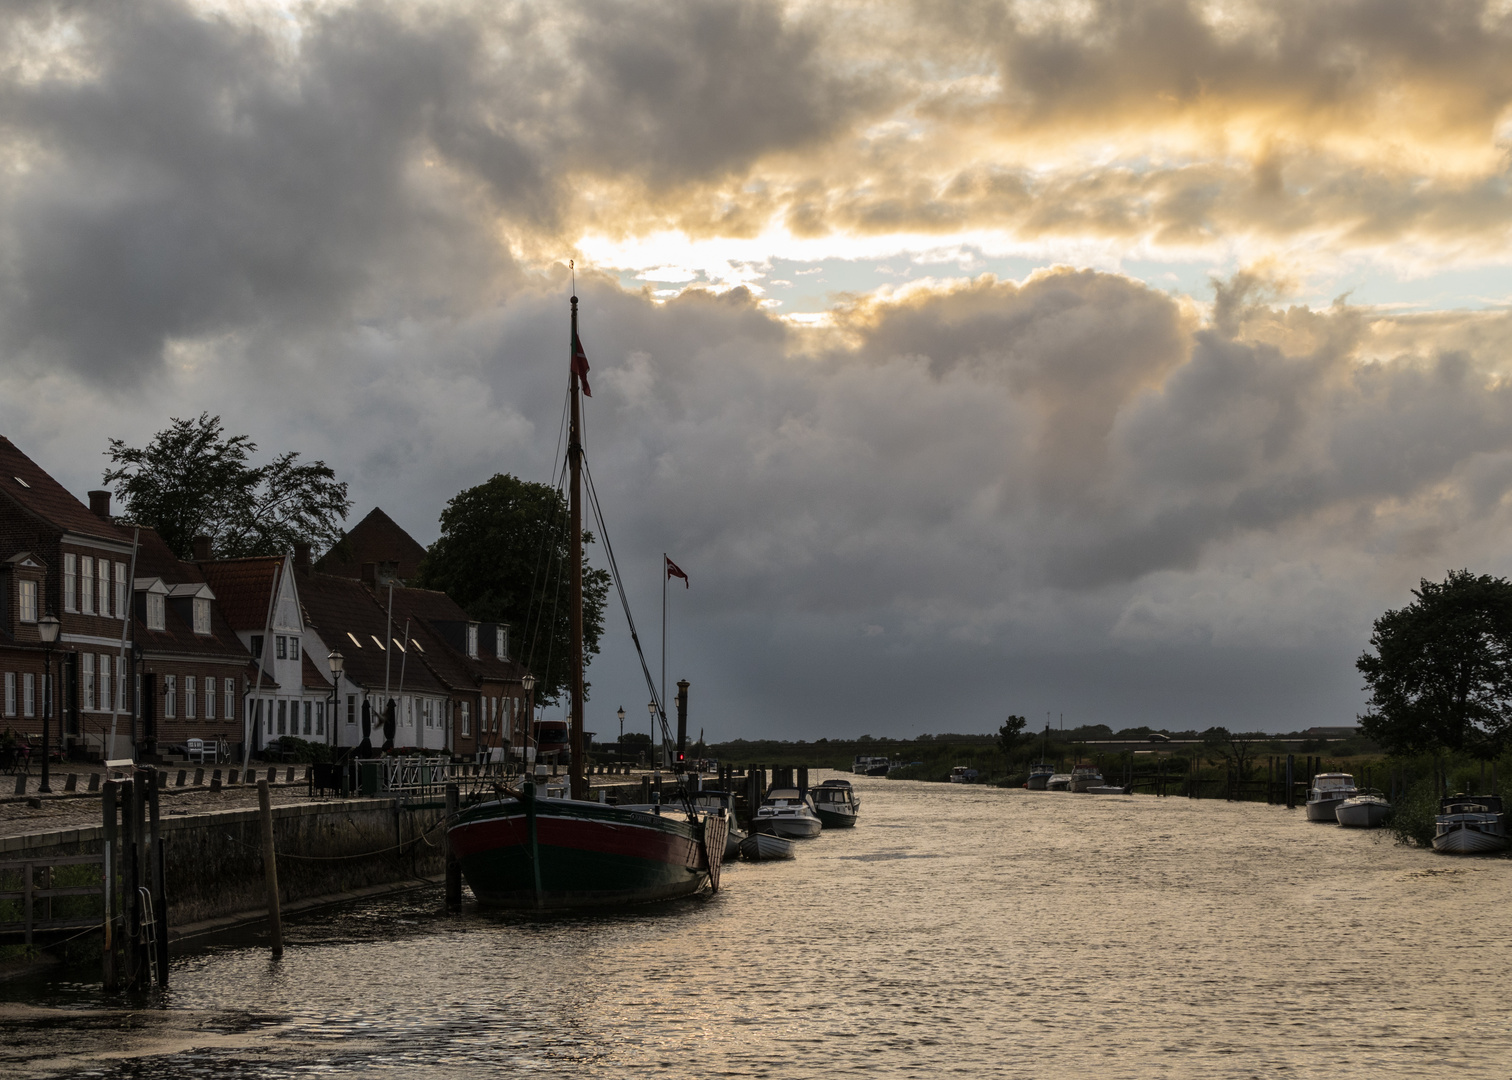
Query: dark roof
[[242, 588], [338, 606], [311, 674], [156, 559], [435, 609], [23, 482], [377, 538]]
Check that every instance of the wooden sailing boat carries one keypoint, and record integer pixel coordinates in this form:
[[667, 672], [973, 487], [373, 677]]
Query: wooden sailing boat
[[527, 851]]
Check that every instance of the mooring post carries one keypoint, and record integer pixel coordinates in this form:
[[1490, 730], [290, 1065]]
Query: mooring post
[[108, 851], [270, 867], [129, 882], [159, 892], [453, 864], [1291, 787]]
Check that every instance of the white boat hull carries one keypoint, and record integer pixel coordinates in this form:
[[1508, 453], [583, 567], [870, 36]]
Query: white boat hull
[[1463, 840], [1324, 810], [760, 846], [1362, 814], [794, 828], [1107, 789]]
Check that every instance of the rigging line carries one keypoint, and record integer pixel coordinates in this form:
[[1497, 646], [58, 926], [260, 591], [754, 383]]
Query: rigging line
[[598, 516], [545, 545]]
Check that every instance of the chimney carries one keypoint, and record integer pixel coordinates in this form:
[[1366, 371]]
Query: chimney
[[99, 504], [302, 556], [370, 573], [201, 548]]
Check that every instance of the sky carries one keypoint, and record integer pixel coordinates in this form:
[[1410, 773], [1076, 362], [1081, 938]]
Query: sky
[[1115, 361]]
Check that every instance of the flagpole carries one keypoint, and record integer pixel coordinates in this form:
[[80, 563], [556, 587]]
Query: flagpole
[[664, 576]]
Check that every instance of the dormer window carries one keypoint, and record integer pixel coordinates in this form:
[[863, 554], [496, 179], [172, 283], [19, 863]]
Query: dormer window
[[201, 615], [27, 601], [157, 609], [472, 640], [501, 642]]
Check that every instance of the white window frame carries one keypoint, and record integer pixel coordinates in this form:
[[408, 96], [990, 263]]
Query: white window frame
[[120, 590], [10, 693], [86, 584], [201, 615], [191, 696], [157, 612], [70, 581], [501, 642], [26, 601], [309, 718], [230, 702], [102, 576], [283, 716], [170, 697], [103, 695], [120, 674], [28, 694], [320, 718], [87, 678], [472, 640], [209, 697], [466, 719]]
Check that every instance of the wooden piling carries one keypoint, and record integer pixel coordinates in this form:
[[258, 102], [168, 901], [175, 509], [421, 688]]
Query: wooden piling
[[158, 889], [129, 883], [270, 867], [453, 864], [108, 871]]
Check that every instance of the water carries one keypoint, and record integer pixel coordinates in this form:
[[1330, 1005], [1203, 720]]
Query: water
[[957, 931]]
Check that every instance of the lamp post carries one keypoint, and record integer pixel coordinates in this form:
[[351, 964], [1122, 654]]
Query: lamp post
[[338, 665], [651, 706], [621, 714], [528, 682], [47, 629]]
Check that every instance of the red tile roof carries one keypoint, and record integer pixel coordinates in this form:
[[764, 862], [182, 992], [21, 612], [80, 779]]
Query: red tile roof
[[377, 538], [242, 588], [24, 483], [338, 606]]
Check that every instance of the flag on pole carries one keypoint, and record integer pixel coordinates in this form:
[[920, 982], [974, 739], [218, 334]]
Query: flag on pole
[[673, 570], [580, 364]]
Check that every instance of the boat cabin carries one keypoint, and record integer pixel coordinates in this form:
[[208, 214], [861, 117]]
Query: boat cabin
[[1334, 781], [828, 795]]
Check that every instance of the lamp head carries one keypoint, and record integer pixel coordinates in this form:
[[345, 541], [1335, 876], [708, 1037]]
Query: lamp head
[[528, 682], [47, 628], [651, 705], [337, 662], [621, 714]]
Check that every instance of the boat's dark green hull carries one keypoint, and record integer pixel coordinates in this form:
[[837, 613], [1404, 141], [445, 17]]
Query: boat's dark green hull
[[584, 855], [831, 820]]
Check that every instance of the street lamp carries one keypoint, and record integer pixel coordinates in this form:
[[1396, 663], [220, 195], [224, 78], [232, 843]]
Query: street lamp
[[338, 665], [528, 682], [621, 715], [651, 706], [47, 629]]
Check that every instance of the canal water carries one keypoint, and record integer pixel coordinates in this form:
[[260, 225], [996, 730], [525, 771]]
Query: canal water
[[957, 931]]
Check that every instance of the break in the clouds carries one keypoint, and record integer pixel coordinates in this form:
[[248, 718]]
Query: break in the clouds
[[971, 357]]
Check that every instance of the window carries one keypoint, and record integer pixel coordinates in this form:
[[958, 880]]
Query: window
[[472, 640], [283, 647], [157, 612], [257, 646], [309, 710], [430, 713], [120, 666], [104, 572], [170, 696], [120, 590], [191, 697], [294, 647], [201, 615], [351, 708], [86, 667], [352, 638], [417, 645], [28, 695], [398, 644], [28, 600], [70, 582], [320, 718], [466, 720], [10, 693], [494, 710], [230, 703], [501, 642], [283, 717], [375, 640], [209, 697], [104, 694], [86, 585]]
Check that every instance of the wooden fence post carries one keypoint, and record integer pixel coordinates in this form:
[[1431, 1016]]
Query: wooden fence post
[[453, 864], [270, 867], [108, 958]]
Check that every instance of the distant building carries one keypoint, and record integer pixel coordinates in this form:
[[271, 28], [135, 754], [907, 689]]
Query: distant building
[[1331, 732], [378, 540]]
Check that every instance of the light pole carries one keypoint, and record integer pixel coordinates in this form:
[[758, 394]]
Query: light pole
[[338, 665], [528, 682], [651, 705], [47, 629], [621, 715]]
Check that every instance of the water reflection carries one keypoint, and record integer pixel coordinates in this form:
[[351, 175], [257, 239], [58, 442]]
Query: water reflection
[[956, 930]]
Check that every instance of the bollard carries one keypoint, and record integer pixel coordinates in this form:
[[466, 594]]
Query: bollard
[[199, 777], [72, 783], [453, 864], [231, 777], [270, 867], [162, 781], [181, 776], [215, 780], [20, 783], [289, 776], [94, 782]]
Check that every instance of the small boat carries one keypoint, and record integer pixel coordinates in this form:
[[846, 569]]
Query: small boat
[[963, 774], [761, 846], [1328, 791], [870, 766], [1108, 789], [1084, 777], [835, 804], [1364, 811], [1039, 775], [786, 813], [1470, 825], [1060, 781], [710, 800]]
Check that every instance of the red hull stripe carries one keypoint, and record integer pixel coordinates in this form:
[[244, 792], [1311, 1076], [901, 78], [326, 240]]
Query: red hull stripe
[[598, 836]]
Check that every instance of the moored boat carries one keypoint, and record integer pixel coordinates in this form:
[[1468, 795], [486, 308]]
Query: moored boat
[[865, 765], [1364, 811], [1109, 789], [1470, 825], [1328, 790], [711, 800], [760, 846], [786, 813], [963, 774], [1084, 777], [835, 804], [1039, 775], [1060, 781]]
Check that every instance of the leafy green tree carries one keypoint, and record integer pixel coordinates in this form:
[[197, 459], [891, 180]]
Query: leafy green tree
[[1235, 750], [502, 555], [1011, 734], [192, 480], [1441, 674]]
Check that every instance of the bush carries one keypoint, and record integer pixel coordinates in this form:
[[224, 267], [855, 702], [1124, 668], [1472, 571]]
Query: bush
[[303, 751], [1411, 820]]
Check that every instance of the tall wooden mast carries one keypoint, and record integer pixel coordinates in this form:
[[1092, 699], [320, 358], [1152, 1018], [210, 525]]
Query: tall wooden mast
[[575, 519]]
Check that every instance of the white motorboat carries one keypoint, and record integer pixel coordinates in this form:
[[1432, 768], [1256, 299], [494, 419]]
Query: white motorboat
[[1365, 811], [865, 765], [1039, 776], [835, 803], [963, 774], [1328, 791], [760, 846], [786, 812], [713, 801], [1060, 781], [1470, 825], [1108, 789], [1084, 777]]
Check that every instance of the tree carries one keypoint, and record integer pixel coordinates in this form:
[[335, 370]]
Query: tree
[[502, 555], [193, 480], [1011, 733], [1237, 751], [1441, 674]]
